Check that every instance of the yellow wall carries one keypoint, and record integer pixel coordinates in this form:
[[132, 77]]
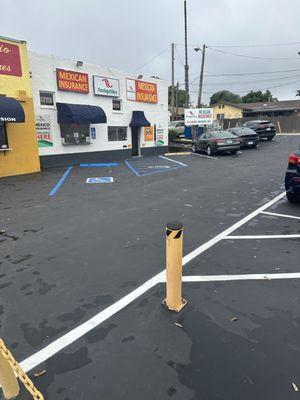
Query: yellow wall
[[228, 110], [23, 158]]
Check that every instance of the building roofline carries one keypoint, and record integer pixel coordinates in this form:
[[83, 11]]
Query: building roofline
[[236, 105], [260, 110], [263, 106], [12, 40]]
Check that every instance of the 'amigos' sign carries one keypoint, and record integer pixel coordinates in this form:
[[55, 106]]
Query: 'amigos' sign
[[72, 81], [10, 62]]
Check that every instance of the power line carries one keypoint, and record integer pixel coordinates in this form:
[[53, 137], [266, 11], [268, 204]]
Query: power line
[[179, 56], [266, 88], [253, 73], [261, 45], [247, 82], [252, 57], [245, 74], [246, 46], [152, 59]]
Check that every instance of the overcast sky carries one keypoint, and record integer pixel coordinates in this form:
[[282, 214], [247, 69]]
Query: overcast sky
[[126, 34]]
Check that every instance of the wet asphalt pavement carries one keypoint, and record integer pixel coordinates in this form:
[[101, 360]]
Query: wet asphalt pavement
[[65, 258]]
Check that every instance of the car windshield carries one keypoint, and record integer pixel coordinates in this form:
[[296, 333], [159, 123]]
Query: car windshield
[[264, 122], [243, 130], [222, 134]]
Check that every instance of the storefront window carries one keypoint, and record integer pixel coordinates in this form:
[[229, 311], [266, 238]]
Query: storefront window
[[117, 133], [3, 137], [47, 98], [116, 105], [75, 133]]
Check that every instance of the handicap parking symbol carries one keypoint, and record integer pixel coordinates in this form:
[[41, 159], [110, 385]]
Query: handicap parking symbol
[[103, 179]]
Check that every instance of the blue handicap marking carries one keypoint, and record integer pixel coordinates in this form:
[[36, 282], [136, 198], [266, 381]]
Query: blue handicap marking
[[103, 179]]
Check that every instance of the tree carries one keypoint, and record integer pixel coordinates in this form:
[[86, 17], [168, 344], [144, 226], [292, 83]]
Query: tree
[[298, 92], [181, 96], [224, 95], [258, 97]]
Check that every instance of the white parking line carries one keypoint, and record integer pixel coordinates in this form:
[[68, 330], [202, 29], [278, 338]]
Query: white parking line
[[293, 236], [230, 230], [245, 277], [279, 215], [204, 156], [175, 161], [76, 333], [288, 134]]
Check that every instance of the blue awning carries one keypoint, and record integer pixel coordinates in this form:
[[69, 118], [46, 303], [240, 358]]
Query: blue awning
[[11, 110], [80, 114], [138, 120]]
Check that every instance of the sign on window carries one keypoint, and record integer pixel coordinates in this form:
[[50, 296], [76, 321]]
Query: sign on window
[[47, 99], [43, 131]]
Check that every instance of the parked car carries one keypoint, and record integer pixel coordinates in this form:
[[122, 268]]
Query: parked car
[[292, 178], [177, 126], [248, 137], [215, 126], [216, 142], [264, 129]]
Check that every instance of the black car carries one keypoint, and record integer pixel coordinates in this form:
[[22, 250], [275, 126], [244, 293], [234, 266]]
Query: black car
[[292, 178], [248, 137], [216, 142], [264, 129]]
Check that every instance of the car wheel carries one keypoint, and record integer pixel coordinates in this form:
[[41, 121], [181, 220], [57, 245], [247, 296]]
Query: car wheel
[[291, 197], [233, 152], [254, 146], [270, 138], [209, 150], [194, 150]]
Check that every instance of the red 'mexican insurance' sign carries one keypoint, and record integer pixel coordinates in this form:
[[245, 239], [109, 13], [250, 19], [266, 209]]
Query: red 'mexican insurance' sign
[[10, 61], [72, 81]]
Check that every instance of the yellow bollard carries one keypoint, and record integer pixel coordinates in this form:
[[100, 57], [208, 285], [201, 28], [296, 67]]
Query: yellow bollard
[[8, 380], [174, 244]]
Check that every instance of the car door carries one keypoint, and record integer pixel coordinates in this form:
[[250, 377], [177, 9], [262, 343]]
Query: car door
[[202, 141]]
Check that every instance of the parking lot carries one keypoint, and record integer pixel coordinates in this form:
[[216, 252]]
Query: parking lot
[[82, 278]]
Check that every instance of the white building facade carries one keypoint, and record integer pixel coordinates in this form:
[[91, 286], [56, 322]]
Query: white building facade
[[89, 113]]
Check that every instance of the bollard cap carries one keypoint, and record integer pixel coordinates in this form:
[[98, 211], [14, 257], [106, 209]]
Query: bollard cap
[[174, 226]]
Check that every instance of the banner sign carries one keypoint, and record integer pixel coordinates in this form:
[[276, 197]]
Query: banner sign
[[144, 92], [160, 135], [10, 61], [104, 86], [148, 133], [72, 81], [43, 131], [198, 116]]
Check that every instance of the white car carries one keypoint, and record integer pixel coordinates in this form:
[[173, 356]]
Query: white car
[[178, 126]]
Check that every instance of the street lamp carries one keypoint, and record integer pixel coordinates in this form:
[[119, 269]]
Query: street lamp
[[201, 73]]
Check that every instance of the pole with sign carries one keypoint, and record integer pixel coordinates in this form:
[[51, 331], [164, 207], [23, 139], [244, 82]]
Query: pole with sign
[[197, 117]]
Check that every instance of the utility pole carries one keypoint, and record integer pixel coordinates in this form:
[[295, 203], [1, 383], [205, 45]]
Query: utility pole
[[177, 92], [201, 76], [173, 83], [186, 67]]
